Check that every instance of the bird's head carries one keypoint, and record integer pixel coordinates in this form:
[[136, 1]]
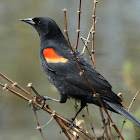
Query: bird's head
[[44, 26]]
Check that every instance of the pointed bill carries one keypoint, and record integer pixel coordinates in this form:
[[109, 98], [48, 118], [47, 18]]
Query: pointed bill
[[28, 20]]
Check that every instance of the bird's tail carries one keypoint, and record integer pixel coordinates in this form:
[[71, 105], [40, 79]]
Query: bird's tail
[[121, 110]]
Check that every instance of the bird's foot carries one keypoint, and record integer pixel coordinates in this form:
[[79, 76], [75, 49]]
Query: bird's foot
[[41, 101], [72, 123]]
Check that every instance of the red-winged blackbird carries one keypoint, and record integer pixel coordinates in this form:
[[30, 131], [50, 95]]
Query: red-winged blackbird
[[62, 70]]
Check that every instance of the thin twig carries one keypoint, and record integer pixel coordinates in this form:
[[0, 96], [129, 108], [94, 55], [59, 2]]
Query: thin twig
[[76, 106], [87, 41], [67, 129], [87, 50], [66, 30], [79, 131], [111, 135], [37, 94], [14, 84], [128, 108], [94, 9], [15, 92], [63, 129], [40, 127], [120, 95], [37, 121], [92, 128], [83, 116], [105, 126], [78, 30], [133, 100]]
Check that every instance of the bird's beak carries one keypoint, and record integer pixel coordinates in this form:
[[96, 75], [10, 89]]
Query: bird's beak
[[28, 20]]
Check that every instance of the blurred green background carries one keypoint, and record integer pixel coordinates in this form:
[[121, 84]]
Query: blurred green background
[[117, 55]]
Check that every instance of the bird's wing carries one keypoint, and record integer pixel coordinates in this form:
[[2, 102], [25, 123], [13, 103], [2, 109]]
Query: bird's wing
[[69, 71]]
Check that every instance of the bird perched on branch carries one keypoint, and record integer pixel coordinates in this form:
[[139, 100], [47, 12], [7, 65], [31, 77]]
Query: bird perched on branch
[[61, 69]]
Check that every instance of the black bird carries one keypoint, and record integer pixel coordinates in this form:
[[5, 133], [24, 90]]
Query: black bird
[[61, 69]]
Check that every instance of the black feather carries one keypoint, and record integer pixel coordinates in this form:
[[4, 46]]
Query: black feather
[[121, 110]]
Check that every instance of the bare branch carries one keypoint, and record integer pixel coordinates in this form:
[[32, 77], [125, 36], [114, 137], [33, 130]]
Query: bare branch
[[37, 121], [82, 73], [59, 119], [78, 30]]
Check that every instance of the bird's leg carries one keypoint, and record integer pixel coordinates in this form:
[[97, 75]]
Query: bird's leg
[[63, 98], [83, 104], [49, 98]]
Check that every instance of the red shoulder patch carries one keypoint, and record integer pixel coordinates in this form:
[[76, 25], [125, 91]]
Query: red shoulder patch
[[52, 57]]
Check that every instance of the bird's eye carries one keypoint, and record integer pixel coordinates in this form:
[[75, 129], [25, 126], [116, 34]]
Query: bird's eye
[[39, 22]]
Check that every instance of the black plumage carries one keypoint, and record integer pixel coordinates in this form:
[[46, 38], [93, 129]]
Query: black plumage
[[65, 75]]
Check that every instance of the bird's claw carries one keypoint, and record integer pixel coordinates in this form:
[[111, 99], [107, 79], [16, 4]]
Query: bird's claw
[[72, 123], [41, 101], [42, 104]]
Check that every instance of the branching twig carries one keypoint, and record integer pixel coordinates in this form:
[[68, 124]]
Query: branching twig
[[87, 50], [66, 128], [86, 41], [37, 94], [94, 8], [37, 121], [15, 92], [93, 58], [82, 73], [63, 129], [14, 84], [40, 127], [35, 103]]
